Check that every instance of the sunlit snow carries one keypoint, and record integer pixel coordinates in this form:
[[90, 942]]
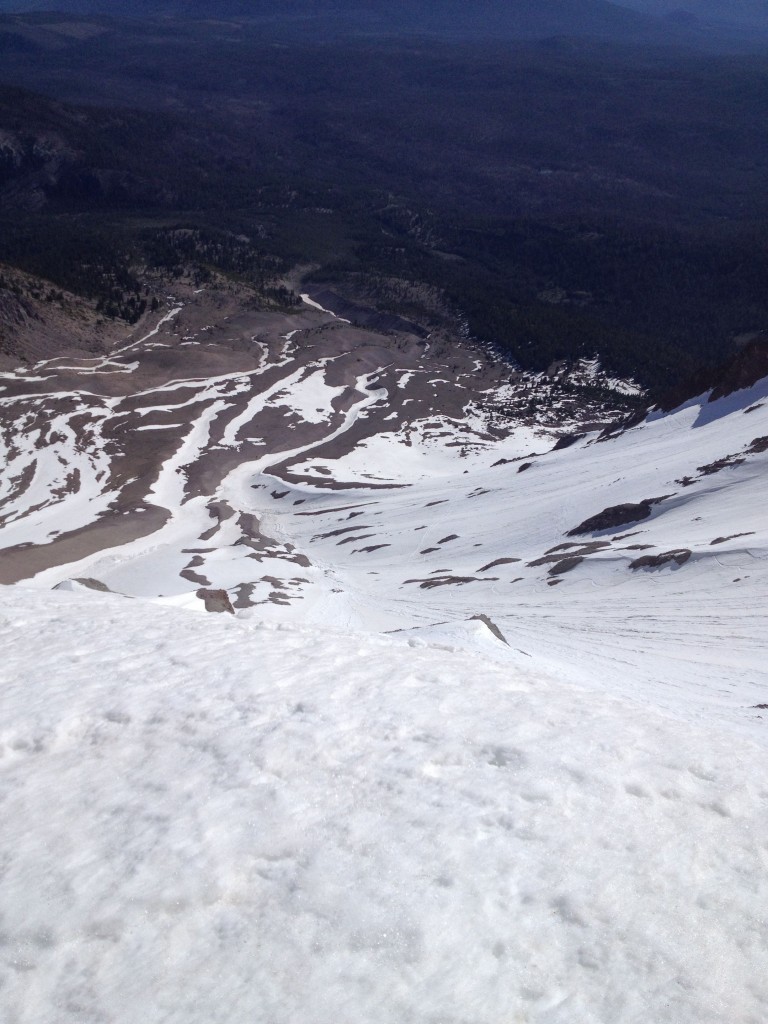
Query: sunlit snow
[[484, 741], [237, 823]]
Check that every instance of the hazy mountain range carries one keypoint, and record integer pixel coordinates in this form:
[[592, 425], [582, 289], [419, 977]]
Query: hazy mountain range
[[748, 12], [653, 20]]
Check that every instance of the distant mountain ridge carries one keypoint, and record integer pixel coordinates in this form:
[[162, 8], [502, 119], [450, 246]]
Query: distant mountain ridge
[[735, 12], [482, 18], [711, 24]]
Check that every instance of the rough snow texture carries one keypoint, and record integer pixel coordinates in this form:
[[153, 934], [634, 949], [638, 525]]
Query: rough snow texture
[[243, 823], [541, 798]]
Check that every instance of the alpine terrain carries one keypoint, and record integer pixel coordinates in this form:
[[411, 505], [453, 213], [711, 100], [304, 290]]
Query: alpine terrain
[[383, 536], [480, 731]]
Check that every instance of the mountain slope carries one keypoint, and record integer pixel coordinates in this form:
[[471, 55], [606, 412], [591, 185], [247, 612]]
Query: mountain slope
[[744, 13], [89, 196], [325, 473], [480, 731]]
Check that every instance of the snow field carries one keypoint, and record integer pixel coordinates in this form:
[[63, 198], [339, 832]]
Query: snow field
[[209, 820], [689, 639], [54, 476], [290, 818]]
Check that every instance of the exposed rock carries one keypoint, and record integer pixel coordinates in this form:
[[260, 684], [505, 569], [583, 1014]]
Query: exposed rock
[[195, 577], [718, 464], [491, 626], [566, 441], [565, 565], [216, 600], [84, 581], [92, 584], [618, 515], [745, 368], [449, 581], [679, 556], [498, 561], [612, 430], [555, 554], [244, 593]]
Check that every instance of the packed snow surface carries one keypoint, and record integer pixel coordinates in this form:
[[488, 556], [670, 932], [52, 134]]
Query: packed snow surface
[[222, 821], [486, 741]]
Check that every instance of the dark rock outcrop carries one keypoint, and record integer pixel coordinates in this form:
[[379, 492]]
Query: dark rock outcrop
[[748, 367], [679, 556], [491, 625], [745, 368], [617, 515], [565, 565], [497, 561], [566, 441], [216, 600], [85, 581]]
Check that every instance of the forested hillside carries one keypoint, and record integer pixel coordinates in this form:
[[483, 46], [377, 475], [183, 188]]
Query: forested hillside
[[559, 198]]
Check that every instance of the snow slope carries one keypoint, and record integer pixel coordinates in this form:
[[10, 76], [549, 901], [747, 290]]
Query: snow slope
[[485, 740], [330, 476], [689, 637], [225, 821]]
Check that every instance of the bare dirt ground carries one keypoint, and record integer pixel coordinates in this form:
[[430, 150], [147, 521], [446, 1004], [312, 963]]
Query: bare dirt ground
[[111, 423], [134, 441]]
